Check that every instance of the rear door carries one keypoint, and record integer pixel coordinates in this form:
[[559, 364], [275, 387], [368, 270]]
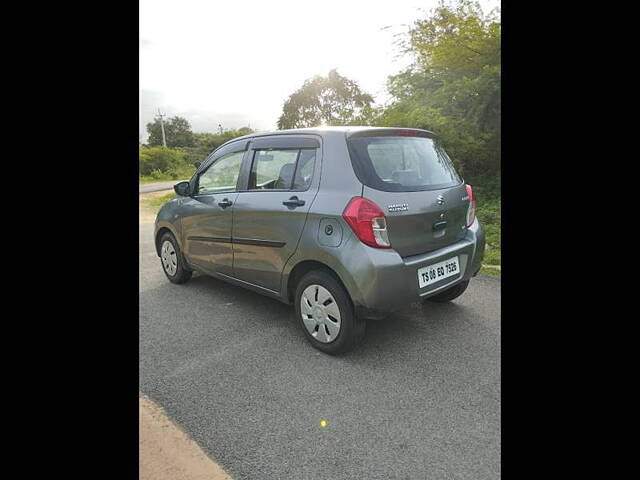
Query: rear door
[[207, 216], [409, 175], [280, 182]]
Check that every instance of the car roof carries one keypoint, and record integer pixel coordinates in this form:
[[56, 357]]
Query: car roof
[[320, 131]]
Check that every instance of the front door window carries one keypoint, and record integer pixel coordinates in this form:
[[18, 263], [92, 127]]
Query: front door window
[[222, 175]]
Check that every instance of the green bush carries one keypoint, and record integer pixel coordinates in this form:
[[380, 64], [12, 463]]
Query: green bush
[[487, 193], [195, 154], [160, 163], [158, 175], [159, 159]]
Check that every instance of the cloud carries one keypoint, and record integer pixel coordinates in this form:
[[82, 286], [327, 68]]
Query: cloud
[[201, 120], [235, 63], [150, 101]]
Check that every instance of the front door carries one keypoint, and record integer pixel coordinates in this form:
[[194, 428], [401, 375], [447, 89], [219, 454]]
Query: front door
[[270, 214], [207, 216]]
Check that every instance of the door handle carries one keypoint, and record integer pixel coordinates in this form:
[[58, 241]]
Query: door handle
[[225, 203], [293, 202]]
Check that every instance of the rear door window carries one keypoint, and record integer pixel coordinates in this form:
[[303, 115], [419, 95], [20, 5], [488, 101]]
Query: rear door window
[[304, 170], [401, 163], [284, 169]]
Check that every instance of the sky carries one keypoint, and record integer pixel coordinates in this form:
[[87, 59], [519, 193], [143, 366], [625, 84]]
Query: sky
[[234, 63]]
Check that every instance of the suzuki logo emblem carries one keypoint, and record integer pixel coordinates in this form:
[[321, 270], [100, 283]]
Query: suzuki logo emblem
[[440, 200]]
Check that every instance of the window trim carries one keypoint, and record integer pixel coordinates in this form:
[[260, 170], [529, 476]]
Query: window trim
[[285, 142]]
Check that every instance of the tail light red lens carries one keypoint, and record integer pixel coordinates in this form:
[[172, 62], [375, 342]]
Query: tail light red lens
[[367, 221], [471, 212]]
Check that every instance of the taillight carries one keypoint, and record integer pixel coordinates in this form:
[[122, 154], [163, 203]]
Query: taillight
[[471, 211], [367, 221]]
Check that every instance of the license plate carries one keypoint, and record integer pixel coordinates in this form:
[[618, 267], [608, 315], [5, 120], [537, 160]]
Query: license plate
[[438, 271]]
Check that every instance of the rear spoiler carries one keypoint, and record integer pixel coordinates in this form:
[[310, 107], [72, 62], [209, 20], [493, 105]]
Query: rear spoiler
[[392, 132]]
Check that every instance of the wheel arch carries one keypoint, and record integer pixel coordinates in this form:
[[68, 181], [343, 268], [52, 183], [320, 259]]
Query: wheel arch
[[161, 229], [302, 267]]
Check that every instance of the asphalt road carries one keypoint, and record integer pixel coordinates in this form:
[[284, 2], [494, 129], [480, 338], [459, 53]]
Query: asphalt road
[[157, 187], [419, 399]]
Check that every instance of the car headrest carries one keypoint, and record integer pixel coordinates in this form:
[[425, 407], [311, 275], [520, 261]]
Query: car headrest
[[286, 176]]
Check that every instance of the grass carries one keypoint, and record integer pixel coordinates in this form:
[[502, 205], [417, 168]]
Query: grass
[[487, 195], [154, 203]]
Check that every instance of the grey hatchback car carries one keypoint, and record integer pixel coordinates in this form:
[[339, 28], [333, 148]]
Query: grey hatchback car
[[346, 223]]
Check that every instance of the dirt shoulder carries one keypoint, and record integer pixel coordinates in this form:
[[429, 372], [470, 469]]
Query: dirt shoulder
[[167, 453], [148, 211]]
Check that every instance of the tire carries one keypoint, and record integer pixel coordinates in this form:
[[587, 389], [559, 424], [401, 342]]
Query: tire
[[450, 293], [171, 260], [314, 315]]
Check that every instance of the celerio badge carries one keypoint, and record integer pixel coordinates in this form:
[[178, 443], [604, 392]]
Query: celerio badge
[[400, 207]]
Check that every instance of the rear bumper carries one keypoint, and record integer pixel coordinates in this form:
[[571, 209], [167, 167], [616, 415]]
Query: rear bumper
[[384, 281]]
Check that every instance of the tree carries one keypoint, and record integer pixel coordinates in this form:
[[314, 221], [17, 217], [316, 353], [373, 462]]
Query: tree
[[330, 100], [211, 141], [453, 85], [244, 131], [177, 131]]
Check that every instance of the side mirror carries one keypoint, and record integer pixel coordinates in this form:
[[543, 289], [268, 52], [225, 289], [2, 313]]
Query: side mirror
[[183, 189], [197, 164]]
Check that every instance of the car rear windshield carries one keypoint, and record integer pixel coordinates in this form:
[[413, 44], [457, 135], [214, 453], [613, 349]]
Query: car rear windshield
[[401, 163]]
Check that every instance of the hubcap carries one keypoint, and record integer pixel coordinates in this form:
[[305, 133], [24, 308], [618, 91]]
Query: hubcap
[[169, 258], [320, 313]]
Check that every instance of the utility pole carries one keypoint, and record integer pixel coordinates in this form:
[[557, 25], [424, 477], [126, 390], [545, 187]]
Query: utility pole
[[162, 115]]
